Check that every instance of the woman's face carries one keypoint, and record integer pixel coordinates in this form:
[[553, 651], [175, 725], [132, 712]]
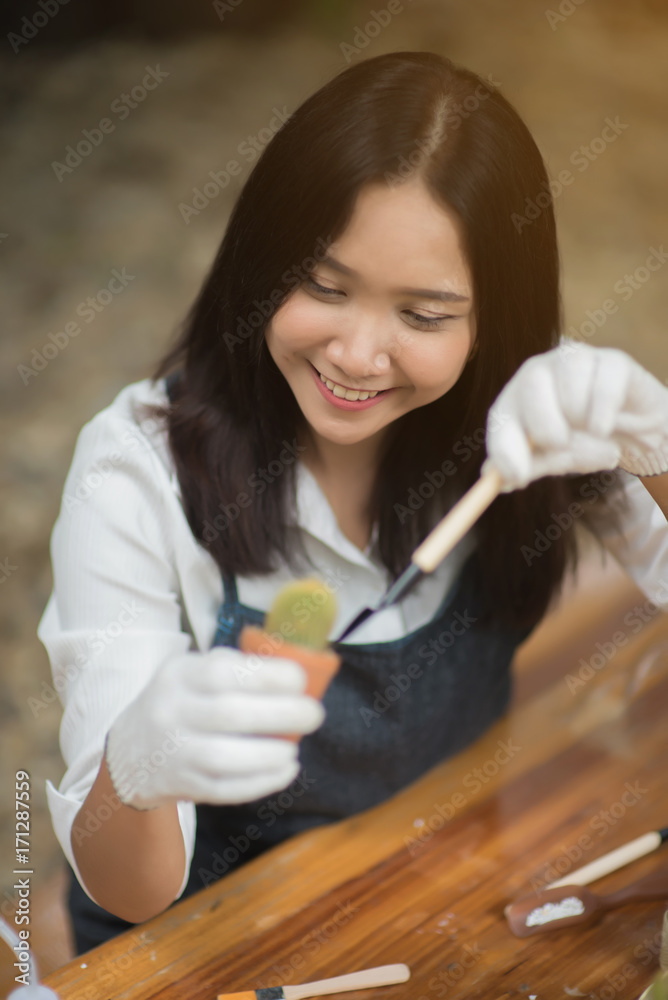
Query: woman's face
[[389, 310]]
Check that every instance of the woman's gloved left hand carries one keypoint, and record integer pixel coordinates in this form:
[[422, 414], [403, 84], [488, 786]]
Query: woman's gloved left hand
[[578, 409]]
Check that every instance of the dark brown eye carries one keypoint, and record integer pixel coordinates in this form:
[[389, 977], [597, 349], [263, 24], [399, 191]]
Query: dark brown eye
[[428, 321], [321, 288]]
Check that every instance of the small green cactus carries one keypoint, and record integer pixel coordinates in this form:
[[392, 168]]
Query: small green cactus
[[309, 607], [658, 989]]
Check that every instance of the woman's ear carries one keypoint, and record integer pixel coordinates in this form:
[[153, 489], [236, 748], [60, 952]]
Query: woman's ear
[[473, 352]]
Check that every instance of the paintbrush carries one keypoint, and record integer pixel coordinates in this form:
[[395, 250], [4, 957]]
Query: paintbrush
[[553, 909], [610, 862], [441, 540], [383, 975], [296, 628]]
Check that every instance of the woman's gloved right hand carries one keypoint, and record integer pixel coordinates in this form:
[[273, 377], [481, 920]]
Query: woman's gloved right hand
[[205, 729]]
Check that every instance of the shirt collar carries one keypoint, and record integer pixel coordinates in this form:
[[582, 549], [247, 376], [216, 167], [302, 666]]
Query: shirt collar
[[315, 515]]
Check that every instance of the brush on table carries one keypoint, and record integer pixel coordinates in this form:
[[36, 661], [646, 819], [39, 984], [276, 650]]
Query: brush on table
[[614, 860], [553, 909], [382, 975]]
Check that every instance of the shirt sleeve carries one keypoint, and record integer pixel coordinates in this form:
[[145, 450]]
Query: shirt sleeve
[[641, 548], [114, 615]]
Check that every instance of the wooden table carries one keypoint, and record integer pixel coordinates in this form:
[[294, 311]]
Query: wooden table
[[573, 771]]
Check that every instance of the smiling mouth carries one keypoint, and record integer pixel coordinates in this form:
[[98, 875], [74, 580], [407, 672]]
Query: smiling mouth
[[343, 392]]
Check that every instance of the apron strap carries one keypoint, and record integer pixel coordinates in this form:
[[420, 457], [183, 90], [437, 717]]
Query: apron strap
[[170, 383]]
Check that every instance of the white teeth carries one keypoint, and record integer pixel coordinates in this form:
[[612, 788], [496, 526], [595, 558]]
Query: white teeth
[[342, 393]]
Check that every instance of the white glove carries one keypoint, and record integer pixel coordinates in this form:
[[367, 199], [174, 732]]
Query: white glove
[[578, 408], [196, 731]]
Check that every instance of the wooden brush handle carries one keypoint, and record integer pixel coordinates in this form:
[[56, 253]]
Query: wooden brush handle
[[654, 886], [383, 975], [610, 862], [443, 538]]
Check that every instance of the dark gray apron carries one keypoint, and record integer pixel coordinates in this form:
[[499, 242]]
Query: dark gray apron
[[394, 710]]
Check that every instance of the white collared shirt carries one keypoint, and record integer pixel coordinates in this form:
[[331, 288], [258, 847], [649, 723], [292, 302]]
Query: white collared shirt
[[132, 586]]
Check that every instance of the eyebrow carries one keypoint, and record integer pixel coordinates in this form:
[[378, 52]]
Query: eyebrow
[[427, 293]]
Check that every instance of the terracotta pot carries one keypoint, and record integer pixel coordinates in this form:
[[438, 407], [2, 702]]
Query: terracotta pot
[[320, 664]]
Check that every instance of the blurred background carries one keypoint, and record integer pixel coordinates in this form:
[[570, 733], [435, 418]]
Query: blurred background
[[217, 74]]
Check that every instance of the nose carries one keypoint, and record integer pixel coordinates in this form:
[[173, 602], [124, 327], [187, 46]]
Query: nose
[[363, 350]]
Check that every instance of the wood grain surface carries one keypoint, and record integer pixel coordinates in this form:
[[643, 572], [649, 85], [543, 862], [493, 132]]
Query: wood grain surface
[[571, 772]]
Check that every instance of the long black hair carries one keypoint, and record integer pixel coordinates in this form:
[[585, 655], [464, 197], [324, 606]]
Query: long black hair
[[234, 412]]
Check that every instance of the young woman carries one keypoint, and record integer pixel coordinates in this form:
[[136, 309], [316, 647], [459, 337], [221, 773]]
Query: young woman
[[374, 316]]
